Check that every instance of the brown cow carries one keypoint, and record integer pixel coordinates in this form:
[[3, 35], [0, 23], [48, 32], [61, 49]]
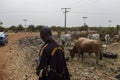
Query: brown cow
[[88, 46]]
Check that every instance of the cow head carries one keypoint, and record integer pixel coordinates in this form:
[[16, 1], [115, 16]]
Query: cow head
[[72, 53]]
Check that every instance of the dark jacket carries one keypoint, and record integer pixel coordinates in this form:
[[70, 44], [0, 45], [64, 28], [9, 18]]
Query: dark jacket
[[52, 62]]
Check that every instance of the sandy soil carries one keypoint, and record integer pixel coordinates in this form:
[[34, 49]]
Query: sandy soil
[[4, 62]]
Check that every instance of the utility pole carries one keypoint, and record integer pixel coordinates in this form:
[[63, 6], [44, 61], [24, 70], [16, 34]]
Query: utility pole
[[1, 23], [84, 20], [25, 21], [85, 25], [109, 22], [65, 11]]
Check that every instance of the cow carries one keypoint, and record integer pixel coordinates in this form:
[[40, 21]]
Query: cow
[[116, 38], [84, 45], [107, 38], [95, 36], [65, 38]]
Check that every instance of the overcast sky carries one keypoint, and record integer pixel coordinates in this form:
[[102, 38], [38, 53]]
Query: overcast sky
[[49, 13]]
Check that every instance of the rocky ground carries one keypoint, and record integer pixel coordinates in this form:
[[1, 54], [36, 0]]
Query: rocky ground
[[24, 51]]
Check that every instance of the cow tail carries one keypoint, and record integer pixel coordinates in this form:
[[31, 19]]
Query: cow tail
[[101, 56]]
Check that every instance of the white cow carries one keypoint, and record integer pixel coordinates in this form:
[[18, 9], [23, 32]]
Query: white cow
[[95, 36], [107, 38], [65, 38]]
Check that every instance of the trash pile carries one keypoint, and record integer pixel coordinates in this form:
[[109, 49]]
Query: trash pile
[[90, 71], [30, 41], [24, 52]]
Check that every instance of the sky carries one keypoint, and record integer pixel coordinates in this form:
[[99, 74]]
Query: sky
[[49, 13]]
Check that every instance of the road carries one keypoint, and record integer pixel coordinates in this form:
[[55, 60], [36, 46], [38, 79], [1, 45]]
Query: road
[[4, 62]]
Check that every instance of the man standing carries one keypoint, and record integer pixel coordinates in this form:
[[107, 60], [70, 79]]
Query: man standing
[[52, 64]]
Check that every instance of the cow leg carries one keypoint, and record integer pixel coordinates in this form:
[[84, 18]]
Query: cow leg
[[82, 56], [78, 56], [97, 57]]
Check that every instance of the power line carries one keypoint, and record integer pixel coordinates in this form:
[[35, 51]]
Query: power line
[[90, 3], [80, 2], [95, 13], [84, 3]]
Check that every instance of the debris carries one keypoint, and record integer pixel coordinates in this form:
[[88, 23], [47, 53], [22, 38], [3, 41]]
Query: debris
[[24, 59], [110, 55], [118, 76]]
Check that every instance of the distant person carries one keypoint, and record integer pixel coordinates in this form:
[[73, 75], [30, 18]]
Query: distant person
[[52, 64]]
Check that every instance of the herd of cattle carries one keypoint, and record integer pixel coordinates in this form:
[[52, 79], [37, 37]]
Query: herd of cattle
[[108, 39], [88, 45]]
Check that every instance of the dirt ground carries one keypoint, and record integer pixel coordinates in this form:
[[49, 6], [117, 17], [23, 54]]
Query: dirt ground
[[76, 69], [4, 62]]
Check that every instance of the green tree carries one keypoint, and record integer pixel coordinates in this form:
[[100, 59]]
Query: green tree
[[2, 29], [31, 28], [118, 28], [6, 29], [13, 28], [39, 27], [20, 28], [54, 28]]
